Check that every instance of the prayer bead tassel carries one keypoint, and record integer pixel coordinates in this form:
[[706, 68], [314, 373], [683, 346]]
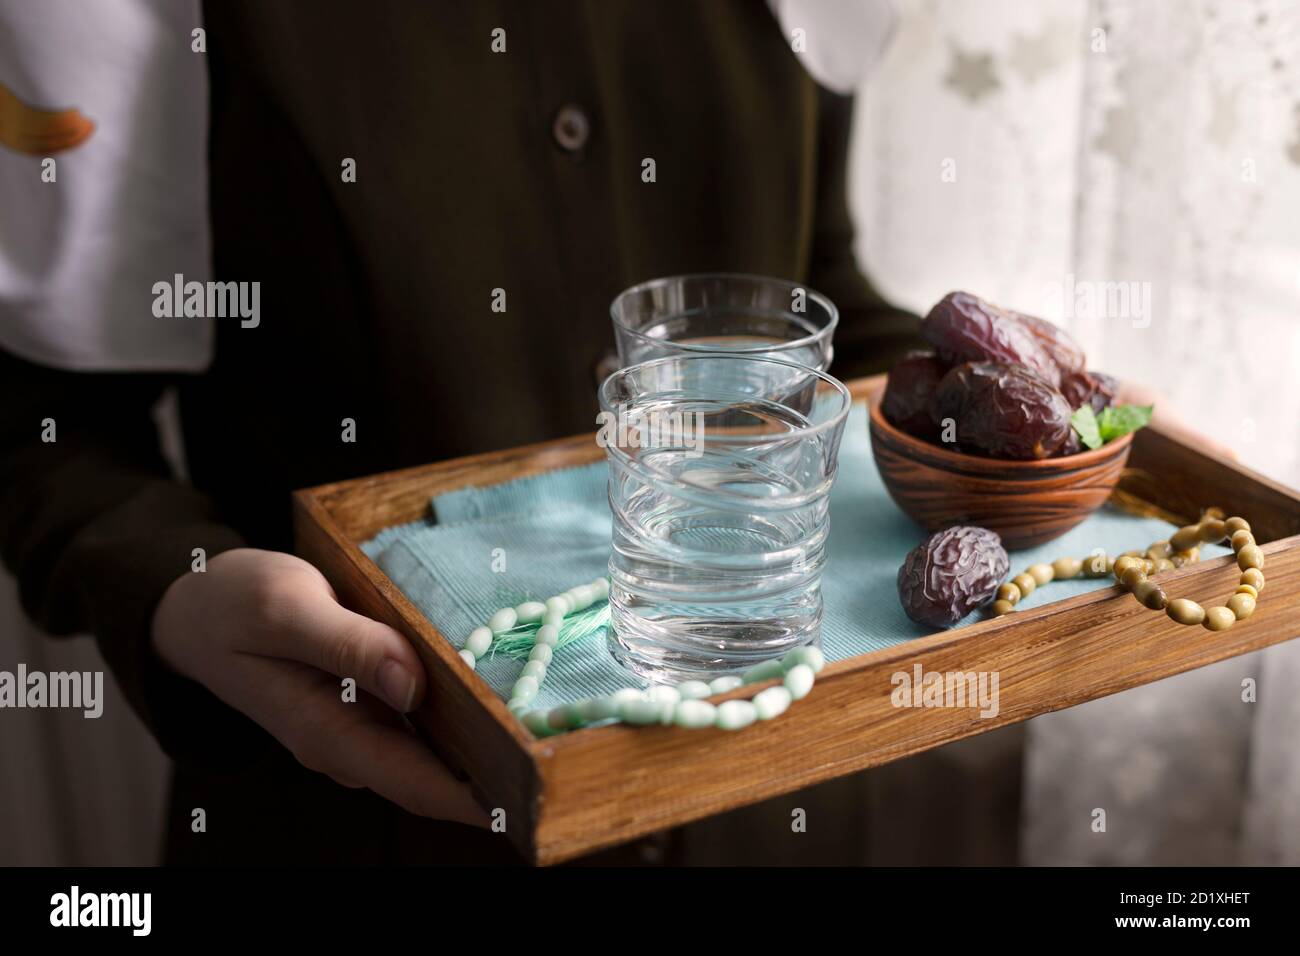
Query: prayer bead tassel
[[683, 705]]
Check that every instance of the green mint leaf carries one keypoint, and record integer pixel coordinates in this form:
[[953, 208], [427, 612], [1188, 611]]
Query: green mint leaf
[[1119, 420], [1085, 423]]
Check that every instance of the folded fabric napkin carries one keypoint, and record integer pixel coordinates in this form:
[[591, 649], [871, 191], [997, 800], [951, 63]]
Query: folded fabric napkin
[[487, 548]]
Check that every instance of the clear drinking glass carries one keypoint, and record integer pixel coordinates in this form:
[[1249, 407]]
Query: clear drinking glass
[[721, 312], [720, 468]]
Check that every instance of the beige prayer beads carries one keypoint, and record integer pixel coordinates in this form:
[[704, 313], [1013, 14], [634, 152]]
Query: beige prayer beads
[[1133, 569]]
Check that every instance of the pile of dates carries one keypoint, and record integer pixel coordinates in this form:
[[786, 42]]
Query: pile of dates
[[998, 383]]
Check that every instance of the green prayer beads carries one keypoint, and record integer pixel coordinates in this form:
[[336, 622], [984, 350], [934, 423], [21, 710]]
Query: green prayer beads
[[683, 705]]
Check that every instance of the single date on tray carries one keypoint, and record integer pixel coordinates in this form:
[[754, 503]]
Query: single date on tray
[[950, 574]]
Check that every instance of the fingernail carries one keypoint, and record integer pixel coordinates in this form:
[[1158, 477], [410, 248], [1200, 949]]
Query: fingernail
[[397, 684]]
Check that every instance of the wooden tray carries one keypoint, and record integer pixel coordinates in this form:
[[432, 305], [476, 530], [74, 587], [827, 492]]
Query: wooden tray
[[568, 795]]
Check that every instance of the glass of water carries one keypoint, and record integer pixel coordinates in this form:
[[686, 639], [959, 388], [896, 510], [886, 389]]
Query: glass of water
[[720, 312], [720, 470]]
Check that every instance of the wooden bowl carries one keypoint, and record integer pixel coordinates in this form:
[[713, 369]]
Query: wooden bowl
[[1026, 502]]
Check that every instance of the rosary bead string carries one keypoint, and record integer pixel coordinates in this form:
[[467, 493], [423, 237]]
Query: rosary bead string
[[682, 705], [1133, 570]]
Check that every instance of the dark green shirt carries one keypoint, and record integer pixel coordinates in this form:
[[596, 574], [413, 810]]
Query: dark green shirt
[[476, 171]]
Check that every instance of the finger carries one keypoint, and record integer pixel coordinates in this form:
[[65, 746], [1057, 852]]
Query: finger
[[398, 766], [1136, 393], [1176, 426], [39, 132], [318, 631], [1170, 421], [351, 742]]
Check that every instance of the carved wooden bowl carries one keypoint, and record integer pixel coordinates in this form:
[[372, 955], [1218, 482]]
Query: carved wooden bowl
[[1026, 502]]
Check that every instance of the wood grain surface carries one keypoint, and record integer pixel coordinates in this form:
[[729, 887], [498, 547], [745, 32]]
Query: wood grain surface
[[1026, 502], [568, 795]]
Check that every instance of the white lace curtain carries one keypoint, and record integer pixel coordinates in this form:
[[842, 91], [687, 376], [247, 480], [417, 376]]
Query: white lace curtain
[[1031, 152]]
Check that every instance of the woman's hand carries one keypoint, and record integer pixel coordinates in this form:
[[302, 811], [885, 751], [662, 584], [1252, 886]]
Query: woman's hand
[[264, 632], [1165, 415]]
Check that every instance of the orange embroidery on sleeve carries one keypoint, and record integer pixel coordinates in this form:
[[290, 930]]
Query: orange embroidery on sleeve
[[27, 129]]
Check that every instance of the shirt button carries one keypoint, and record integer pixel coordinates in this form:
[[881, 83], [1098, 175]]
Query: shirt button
[[571, 128]]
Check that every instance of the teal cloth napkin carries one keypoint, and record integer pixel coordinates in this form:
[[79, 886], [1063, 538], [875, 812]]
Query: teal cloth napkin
[[486, 548]]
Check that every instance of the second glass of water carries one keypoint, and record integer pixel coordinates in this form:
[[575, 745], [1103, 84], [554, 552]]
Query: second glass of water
[[724, 312], [720, 470]]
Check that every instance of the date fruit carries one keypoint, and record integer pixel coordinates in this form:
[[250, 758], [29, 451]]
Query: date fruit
[[911, 386], [1004, 411], [964, 328], [1059, 345], [1089, 388], [950, 574]]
